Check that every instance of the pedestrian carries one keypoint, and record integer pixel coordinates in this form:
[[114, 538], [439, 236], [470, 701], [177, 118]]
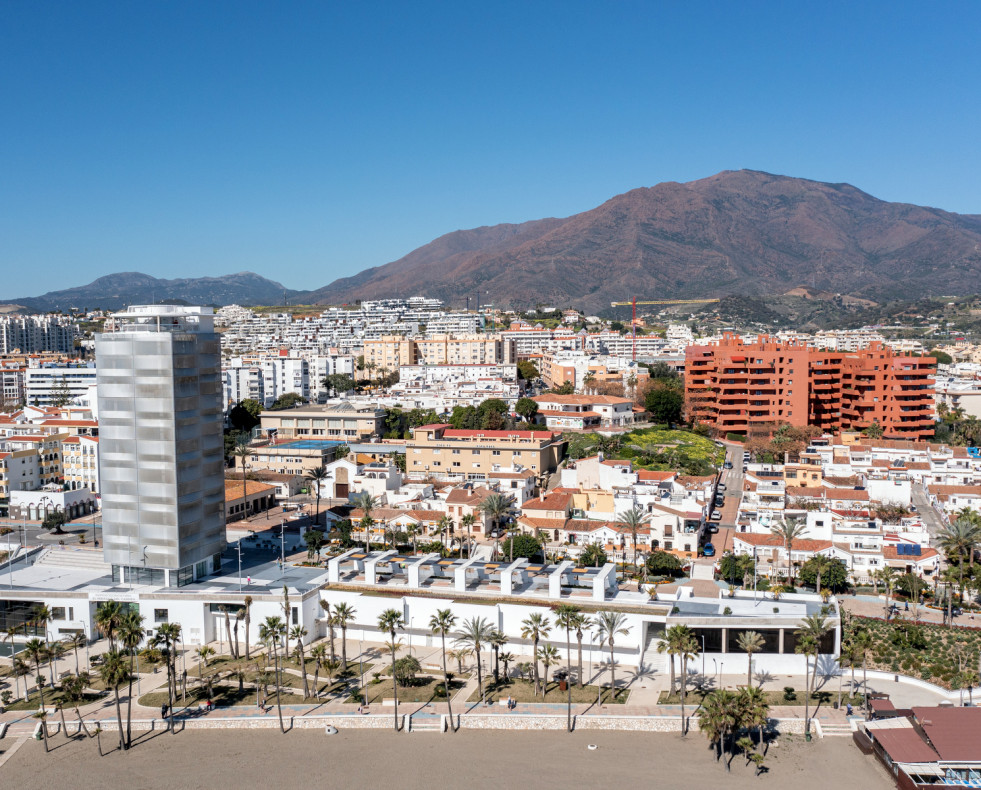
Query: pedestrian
[[248, 580], [848, 709], [163, 711]]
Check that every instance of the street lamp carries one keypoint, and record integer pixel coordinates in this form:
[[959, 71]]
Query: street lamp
[[703, 658], [238, 546]]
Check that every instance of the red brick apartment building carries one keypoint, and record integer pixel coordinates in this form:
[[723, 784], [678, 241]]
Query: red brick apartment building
[[733, 386]]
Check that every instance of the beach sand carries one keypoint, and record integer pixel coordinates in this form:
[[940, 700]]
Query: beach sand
[[245, 759]]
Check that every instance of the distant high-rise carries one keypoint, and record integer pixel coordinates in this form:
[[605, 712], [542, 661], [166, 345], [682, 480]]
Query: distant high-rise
[[160, 435]]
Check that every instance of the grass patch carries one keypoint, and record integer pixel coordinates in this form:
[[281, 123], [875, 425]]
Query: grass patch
[[521, 691], [657, 448], [224, 696], [52, 699], [423, 689]]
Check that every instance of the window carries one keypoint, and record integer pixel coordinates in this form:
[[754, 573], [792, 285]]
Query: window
[[57, 612], [161, 615]]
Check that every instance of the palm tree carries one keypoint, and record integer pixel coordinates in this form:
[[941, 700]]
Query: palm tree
[[566, 616], [56, 651], [632, 520], [42, 716], [115, 673], [864, 643], [75, 641], [608, 626], [549, 657], [74, 690], [343, 614], [287, 619], [37, 650], [820, 563], [131, 635], [809, 636], [579, 623], [507, 659], [474, 634], [168, 635], [443, 527], [592, 554], [719, 717], [888, 577], [247, 607], [298, 632], [441, 624], [412, 531], [315, 477], [535, 627], [107, 618], [466, 522], [241, 454], [270, 632], [319, 655], [497, 640], [391, 620], [496, 506], [751, 642], [367, 503], [755, 709], [458, 655], [204, 653], [228, 628], [789, 530], [670, 645], [960, 539]]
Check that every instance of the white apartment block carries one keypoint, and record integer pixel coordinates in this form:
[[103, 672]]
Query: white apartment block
[[43, 386], [80, 463], [34, 334]]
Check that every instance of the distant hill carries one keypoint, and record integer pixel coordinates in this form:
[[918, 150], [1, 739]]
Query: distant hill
[[738, 232], [115, 291]]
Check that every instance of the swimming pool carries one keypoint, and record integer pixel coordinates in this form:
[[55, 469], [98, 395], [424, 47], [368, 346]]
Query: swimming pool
[[310, 444]]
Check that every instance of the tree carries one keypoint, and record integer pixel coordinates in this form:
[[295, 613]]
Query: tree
[[61, 393], [475, 633], [298, 632], [632, 520], [168, 635], [74, 690], [549, 657], [579, 624], [287, 401], [338, 382], [441, 624], [54, 521], [466, 522], [873, 431], [809, 644], [665, 405], [719, 717], [496, 506], [270, 632], [663, 563], [833, 573], [497, 640], [751, 642], [735, 567], [942, 357], [527, 370], [37, 651], [131, 635], [526, 408], [608, 626], [405, 670], [343, 615], [241, 454], [755, 709], [204, 653], [315, 543], [521, 546], [366, 503], [114, 673], [247, 607], [566, 617], [592, 554], [535, 627], [565, 388], [244, 416], [315, 477], [390, 621], [789, 530], [319, 655]]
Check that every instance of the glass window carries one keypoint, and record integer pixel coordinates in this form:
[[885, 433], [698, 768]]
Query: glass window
[[57, 612], [161, 615]]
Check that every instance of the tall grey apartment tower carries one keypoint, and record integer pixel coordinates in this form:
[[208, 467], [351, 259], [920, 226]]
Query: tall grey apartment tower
[[160, 440]]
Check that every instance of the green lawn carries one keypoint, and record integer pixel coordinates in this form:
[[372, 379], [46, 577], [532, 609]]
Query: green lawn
[[422, 690], [224, 696], [51, 700], [657, 448], [521, 691]]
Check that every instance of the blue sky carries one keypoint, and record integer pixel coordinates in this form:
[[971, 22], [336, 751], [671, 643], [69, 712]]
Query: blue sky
[[307, 141]]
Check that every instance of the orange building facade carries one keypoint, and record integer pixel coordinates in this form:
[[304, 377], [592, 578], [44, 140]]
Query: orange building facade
[[733, 386]]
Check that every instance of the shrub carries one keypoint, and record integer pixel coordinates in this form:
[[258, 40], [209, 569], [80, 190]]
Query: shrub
[[789, 694]]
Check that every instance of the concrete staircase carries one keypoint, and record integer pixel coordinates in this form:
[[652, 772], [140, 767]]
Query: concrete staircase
[[832, 729], [76, 559], [704, 570], [425, 723]]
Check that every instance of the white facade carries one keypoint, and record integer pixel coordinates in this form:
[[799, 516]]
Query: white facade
[[42, 386]]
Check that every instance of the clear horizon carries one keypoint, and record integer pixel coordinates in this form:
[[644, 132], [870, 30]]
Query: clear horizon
[[306, 143]]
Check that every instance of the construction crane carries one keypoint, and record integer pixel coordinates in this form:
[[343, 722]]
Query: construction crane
[[633, 320]]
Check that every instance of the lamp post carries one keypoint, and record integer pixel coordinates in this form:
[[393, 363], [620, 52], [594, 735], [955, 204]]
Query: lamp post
[[409, 634], [703, 657], [238, 546], [10, 564], [282, 549]]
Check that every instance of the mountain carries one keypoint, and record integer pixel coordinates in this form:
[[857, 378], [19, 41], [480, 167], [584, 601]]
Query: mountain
[[737, 232], [115, 291]]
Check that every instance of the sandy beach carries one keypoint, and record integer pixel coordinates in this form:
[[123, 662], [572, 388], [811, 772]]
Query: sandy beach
[[244, 759]]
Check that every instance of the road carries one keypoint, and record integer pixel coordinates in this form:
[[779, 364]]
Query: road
[[926, 512]]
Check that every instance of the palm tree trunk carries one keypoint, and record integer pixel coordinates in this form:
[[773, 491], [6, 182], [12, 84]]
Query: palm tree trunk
[[613, 674], [684, 674], [248, 622], [81, 724], [64, 724], [579, 648], [279, 703], [446, 685], [98, 735], [749, 671], [76, 660], [303, 671], [568, 678], [480, 675], [534, 647], [807, 697], [119, 721], [316, 680], [395, 686], [129, 703], [343, 647]]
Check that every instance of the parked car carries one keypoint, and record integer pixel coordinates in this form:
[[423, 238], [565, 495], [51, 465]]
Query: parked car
[[716, 515], [708, 550], [713, 528], [727, 465]]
